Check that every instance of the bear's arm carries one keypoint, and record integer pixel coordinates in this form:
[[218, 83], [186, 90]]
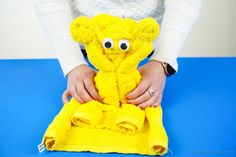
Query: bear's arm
[[131, 62], [97, 58]]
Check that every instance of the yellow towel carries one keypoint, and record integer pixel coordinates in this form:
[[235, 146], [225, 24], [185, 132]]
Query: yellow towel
[[57, 130], [130, 119], [148, 134], [111, 125], [88, 115]]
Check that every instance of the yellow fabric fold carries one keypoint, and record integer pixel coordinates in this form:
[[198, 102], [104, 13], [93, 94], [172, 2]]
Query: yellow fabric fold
[[157, 135], [57, 130], [130, 119], [87, 115], [127, 119]]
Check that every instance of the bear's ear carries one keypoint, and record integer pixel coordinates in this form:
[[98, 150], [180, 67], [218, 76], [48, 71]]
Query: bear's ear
[[81, 30], [147, 29]]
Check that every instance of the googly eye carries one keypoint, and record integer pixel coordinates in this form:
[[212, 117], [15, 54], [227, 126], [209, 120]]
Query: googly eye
[[124, 44], [108, 43]]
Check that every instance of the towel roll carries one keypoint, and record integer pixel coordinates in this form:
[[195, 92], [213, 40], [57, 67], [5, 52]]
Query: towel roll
[[88, 114], [56, 131], [158, 140], [130, 119]]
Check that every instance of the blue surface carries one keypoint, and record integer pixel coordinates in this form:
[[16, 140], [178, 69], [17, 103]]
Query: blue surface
[[199, 107]]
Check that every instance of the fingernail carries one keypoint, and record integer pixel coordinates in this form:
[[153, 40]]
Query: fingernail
[[142, 108]]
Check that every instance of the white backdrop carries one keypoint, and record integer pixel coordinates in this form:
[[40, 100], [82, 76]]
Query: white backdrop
[[21, 35]]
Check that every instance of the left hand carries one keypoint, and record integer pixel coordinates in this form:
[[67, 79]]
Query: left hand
[[153, 78]]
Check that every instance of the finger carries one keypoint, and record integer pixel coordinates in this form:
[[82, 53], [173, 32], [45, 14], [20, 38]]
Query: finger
[[90, 87], [155, 104], [142, 98], [83, 93], [65, 96], [158, 102], [149, 102], [139, 90], [74, 93]]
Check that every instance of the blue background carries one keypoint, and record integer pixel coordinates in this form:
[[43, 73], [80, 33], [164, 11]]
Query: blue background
[[199, 106]]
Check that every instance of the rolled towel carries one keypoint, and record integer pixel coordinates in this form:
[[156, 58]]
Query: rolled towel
[[88, 114], [130, 119], [158, 140], [56, 131]]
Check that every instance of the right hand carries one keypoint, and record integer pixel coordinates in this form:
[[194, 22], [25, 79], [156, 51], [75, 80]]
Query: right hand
[[80, 85]]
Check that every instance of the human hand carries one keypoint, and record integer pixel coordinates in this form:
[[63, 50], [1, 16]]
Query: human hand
[[80, 85], [152, 83]]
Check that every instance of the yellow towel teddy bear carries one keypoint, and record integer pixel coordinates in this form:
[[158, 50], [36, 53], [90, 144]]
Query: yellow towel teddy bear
[[114, 46]]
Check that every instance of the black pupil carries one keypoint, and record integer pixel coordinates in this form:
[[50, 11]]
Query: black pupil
[[108, 44], [123, 46]]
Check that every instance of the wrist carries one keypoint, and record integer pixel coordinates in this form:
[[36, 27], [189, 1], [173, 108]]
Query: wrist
[[75, 69], [168, 70], [158, 65]]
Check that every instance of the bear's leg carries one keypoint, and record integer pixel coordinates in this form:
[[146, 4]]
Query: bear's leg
[[88, 114], [130, 119]]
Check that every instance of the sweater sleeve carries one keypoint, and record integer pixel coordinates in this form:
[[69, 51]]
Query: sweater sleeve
[[178, 20], [55, 17]]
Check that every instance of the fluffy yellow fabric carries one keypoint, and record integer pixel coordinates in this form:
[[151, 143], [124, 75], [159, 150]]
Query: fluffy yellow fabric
[[115, 46]]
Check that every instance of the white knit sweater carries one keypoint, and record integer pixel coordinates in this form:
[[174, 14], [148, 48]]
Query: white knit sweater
[[176, 23]]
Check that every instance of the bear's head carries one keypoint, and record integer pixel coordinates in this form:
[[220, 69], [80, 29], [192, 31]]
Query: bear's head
[[117, 37]]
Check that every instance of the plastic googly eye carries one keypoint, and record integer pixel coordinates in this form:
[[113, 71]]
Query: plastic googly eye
[[124, 44], [108, 43]]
